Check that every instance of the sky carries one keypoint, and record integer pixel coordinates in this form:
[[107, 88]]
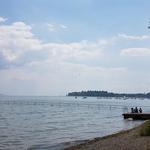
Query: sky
[[52, 47]]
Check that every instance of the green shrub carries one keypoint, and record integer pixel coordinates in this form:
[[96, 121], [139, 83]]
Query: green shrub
[[145, 129]]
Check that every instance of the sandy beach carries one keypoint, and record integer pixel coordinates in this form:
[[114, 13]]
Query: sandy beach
[[124, 140]]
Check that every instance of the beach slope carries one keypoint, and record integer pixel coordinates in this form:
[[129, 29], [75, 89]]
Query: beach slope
[[124, 140]]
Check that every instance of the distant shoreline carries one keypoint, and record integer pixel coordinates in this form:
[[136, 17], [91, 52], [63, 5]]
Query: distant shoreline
[[109, 94], [123, 140]]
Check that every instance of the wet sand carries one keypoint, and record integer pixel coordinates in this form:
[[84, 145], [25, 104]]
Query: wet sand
[[124, 140]]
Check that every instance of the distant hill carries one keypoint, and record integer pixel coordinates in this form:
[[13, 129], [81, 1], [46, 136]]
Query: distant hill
[[109, 94]]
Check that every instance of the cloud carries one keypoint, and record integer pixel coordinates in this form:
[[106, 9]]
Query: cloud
[[77, 76], [19, 46], [135, 52], [48, 78], [52, 27], [131, 37], [9, 55], [83, 50], [27, 59], [63, 26], [16, 40], [2, 19]]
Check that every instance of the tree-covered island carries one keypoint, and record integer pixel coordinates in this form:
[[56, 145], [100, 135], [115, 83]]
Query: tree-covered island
[[108, 94]]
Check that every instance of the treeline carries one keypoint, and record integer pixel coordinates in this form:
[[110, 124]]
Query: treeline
[[108, 94]]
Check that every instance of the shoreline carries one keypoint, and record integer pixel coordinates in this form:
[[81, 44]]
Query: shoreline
[[123, 140]]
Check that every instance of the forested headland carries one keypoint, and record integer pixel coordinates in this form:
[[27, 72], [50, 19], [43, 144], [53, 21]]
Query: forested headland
[[108, 94]]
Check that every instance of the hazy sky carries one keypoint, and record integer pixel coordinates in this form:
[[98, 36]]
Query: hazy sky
[[51, 47]]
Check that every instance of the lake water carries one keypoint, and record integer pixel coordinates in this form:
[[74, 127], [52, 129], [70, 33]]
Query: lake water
[[53, 123]]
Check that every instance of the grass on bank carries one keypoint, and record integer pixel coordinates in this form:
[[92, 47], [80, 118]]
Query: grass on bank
[[145, 129]]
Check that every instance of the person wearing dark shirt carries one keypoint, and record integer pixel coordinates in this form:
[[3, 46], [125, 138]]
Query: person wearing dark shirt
[[136, 110], [140, 110]]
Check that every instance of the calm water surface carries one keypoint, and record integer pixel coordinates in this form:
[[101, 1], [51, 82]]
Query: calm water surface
[[53, 123]]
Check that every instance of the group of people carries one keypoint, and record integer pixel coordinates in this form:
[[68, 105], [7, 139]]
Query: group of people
[[136, 110]]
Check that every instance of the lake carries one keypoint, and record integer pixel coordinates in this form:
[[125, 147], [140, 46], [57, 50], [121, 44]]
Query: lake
[[53, 123]]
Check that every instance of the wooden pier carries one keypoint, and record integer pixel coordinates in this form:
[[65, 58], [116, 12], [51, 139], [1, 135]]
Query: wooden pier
[[137, 116]]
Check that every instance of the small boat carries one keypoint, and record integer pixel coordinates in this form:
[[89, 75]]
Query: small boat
[[84, 97], [125, 98]]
